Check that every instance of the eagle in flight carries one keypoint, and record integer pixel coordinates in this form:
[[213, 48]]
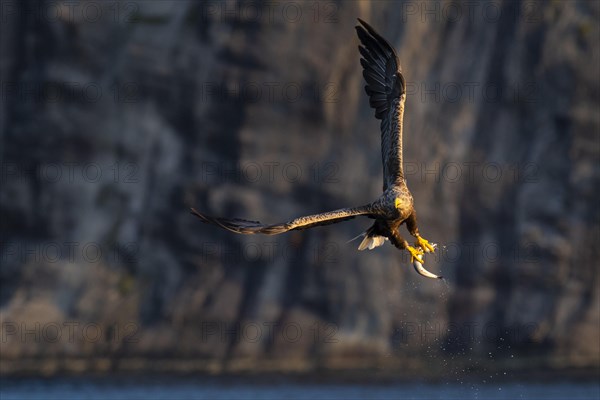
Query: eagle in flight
[[386, 89]]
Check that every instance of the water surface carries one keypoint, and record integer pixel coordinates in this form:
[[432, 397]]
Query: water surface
[[86, 388]]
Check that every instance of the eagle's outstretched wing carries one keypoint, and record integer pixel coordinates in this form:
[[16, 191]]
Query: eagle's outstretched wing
[[249, 227], [387, 92]]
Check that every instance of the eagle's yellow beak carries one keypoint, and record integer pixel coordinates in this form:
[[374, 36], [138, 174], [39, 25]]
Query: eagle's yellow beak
[[397, 203]]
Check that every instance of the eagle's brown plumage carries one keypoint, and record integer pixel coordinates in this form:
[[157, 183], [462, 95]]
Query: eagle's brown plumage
[[386, 89]]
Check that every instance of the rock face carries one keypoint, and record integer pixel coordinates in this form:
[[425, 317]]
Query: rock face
[[116, 118]]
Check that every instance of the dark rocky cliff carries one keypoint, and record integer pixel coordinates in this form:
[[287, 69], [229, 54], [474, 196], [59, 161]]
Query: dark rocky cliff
[[118, 117]]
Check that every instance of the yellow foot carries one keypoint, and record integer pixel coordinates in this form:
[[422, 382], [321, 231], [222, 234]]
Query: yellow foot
[[415, 254], [425, 245]]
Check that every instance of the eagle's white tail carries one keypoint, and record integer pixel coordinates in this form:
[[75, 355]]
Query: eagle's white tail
[[370, 241]]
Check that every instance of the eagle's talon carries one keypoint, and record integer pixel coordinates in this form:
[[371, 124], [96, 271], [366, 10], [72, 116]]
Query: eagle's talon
[[415, 254], [425, 245]]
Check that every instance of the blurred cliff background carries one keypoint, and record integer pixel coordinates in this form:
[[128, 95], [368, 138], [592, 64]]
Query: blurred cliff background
[[119, 116]]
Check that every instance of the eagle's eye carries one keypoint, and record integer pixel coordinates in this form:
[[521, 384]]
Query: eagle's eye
[[397, 203]]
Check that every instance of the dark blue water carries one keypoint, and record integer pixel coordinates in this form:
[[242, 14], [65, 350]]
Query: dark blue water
[[65, 389]]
